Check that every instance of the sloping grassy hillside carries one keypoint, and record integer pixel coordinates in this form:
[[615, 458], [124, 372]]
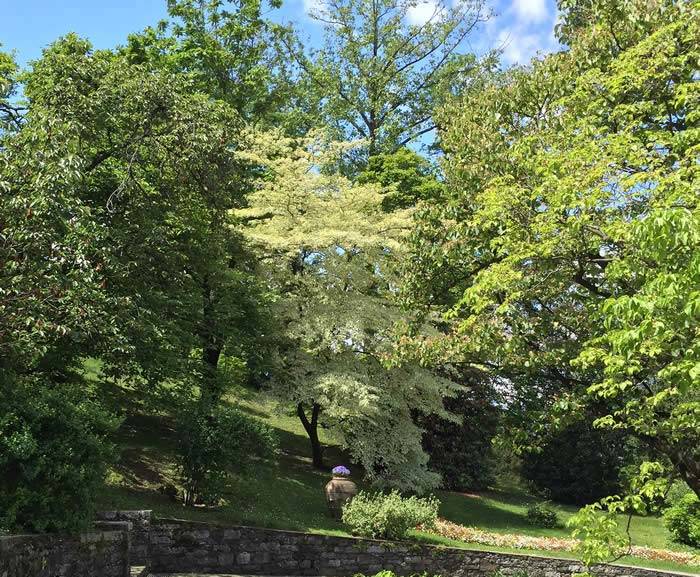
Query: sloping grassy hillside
[[287, 493]]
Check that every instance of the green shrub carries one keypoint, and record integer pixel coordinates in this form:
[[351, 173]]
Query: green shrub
[[578, 464], [542, 515], [388, 516], [677, 491], [53, 455], [683, 520], [214, 443]]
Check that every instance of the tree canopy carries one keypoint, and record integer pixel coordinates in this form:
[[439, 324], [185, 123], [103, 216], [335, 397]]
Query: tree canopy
[[382, 70], [563, 253]]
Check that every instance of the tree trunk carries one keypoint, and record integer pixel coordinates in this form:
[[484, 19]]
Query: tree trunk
[[686, 462], [311, 428], [211, 348]]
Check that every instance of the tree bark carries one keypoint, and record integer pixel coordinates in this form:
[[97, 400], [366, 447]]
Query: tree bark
[[211, 348], [685, 460], [311, 428]]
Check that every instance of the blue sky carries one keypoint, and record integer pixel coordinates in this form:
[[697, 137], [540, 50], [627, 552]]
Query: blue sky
[[520, 27]]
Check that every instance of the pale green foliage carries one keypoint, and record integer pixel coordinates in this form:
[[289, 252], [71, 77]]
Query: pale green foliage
[[332, 249], [564, 254], [598, 529], [388, 516], [302, 204]]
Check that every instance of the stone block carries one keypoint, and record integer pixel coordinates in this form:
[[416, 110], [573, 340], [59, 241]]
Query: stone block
[[243, 558]]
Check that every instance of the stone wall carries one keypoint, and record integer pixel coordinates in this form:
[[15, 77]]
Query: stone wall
[[140, 526], [103, 553], [181, 546], [170, 545]]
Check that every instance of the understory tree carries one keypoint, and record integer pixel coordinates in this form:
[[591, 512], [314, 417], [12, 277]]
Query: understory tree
[[330, 249], [461, 451], [563, 255], [579, 463]]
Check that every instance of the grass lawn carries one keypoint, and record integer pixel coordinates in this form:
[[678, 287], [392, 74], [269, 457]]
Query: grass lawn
[[287, 493], [504, 512]]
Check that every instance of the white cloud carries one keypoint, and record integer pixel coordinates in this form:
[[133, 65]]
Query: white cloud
[[519, 47], [530, 10], [421, 12], [314, 6], [524, 30]]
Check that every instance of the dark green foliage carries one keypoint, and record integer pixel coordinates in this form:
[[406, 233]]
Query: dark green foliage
[[579, 464], [542, 515], [410, 175], [172, 274], [114, 196], [682, 519], [230, 50], [461, 452], [54, 450], [212, 444]]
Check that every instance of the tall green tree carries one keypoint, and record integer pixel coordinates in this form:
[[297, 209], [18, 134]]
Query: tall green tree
[[384, 66], [563, 255], [157, 173], [231, 51], [115, 190], [10, 113]]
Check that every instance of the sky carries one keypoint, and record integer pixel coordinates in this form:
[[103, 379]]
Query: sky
[[522, 28]]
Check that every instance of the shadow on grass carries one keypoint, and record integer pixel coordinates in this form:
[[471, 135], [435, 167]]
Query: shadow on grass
[[499, 512], [285, 492]]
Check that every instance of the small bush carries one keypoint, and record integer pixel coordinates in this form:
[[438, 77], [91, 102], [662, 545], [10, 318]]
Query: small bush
[[683, 520], [388, 516], [678, 490], [213, 443], [542, 515]]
